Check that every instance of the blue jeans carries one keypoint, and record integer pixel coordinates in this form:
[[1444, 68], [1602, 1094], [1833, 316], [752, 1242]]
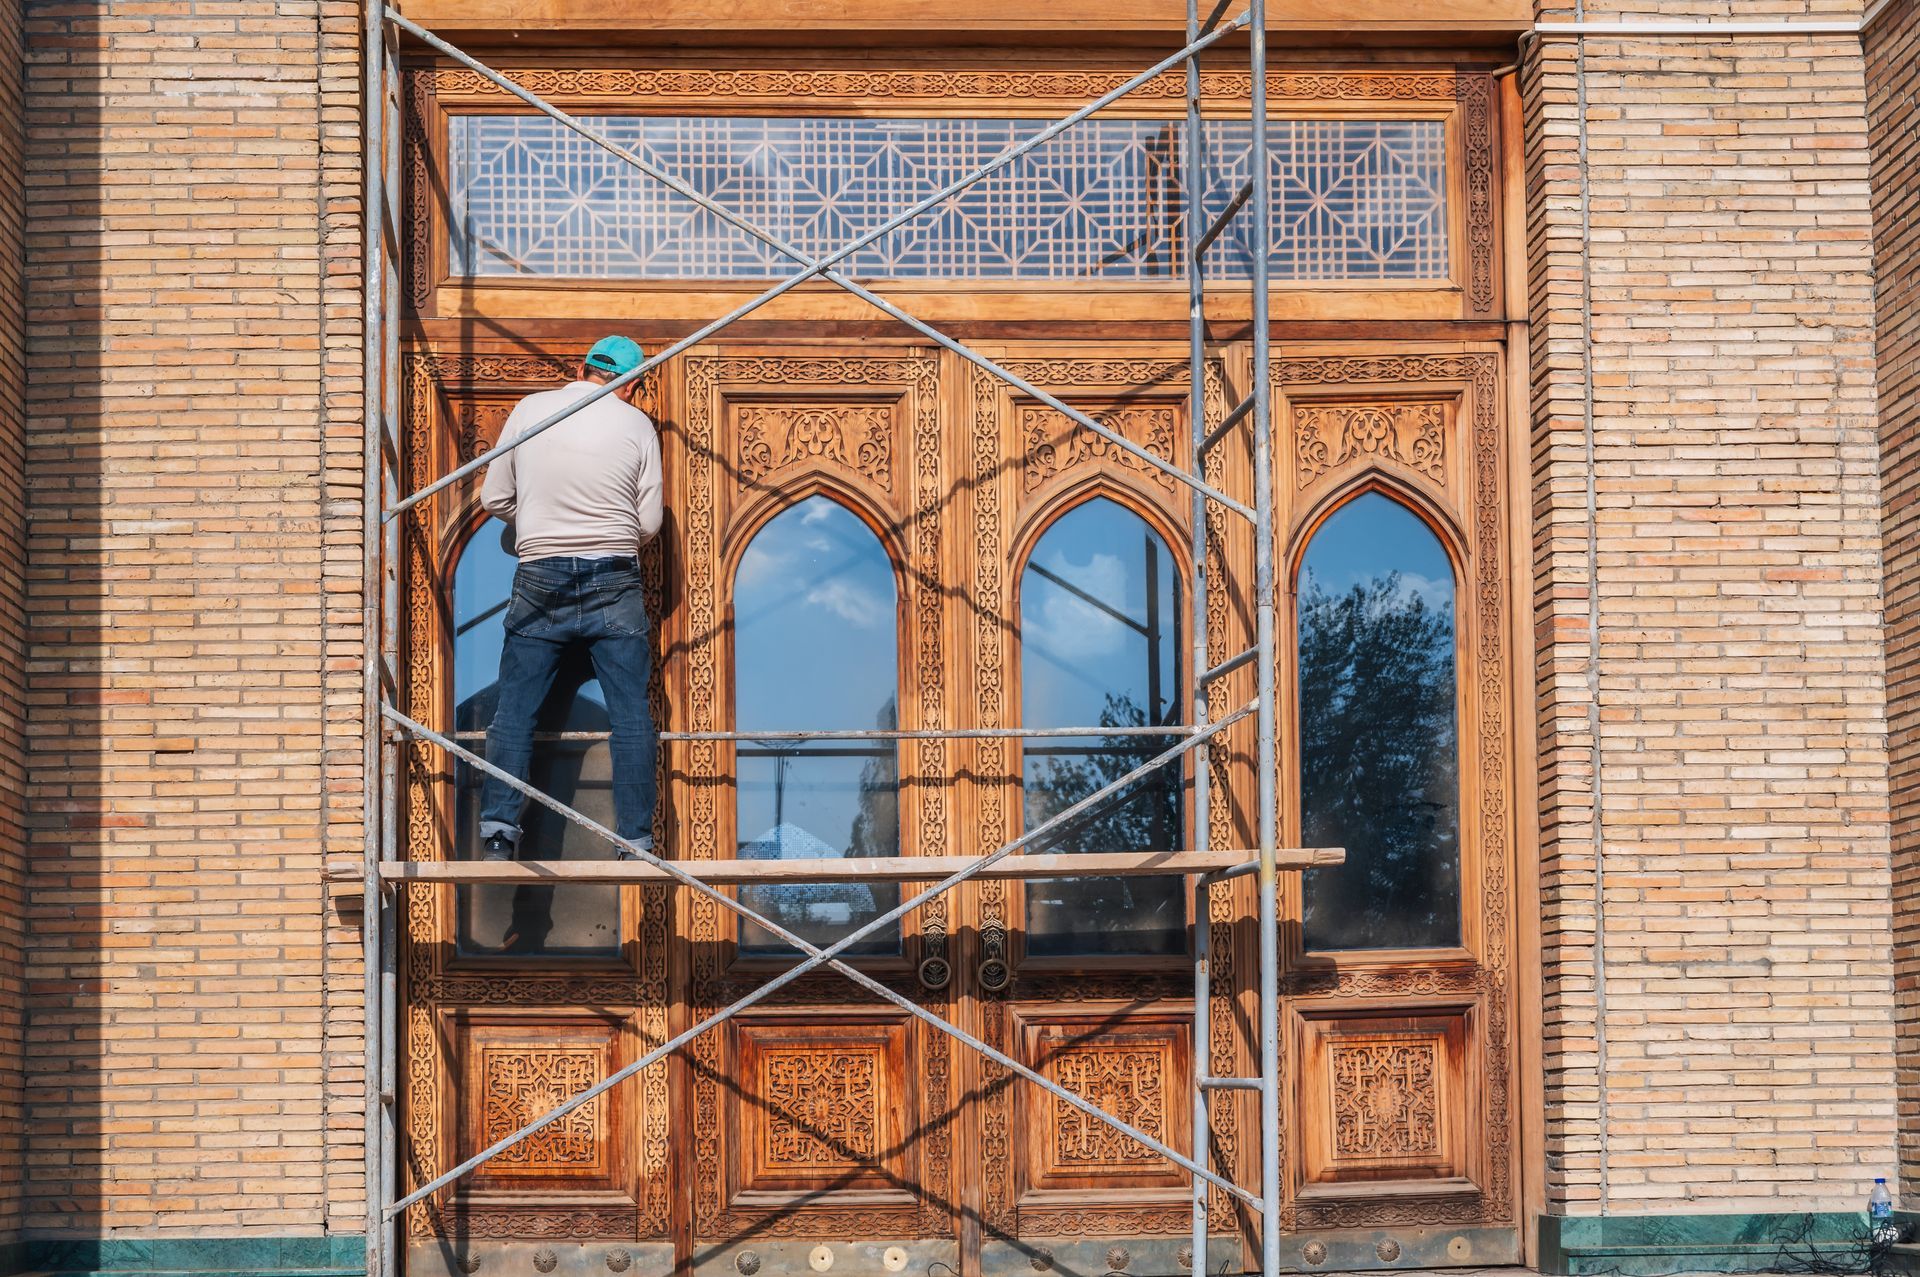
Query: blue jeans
[[557, 603]]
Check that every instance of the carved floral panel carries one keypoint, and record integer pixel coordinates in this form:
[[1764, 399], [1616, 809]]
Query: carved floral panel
[[856, 437], [519, 1084], [820, 1106], [1330, 434], [1385, 1097], [1386, 1100], [1054, 445], [823, 1109], [516, 1066], [1134, 1067]]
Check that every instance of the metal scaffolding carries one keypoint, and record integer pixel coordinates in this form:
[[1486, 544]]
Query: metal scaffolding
[[385, 870]]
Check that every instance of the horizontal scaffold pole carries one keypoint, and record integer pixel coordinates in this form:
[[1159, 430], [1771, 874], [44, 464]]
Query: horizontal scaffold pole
[[817, 957], [823, 267], [874, 734], [1086, 864]]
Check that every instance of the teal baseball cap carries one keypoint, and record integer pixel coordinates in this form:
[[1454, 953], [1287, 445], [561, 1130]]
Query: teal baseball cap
[[616, 355]]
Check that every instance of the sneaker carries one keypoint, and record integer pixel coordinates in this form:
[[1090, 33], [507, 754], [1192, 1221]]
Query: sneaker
[[498, 848]]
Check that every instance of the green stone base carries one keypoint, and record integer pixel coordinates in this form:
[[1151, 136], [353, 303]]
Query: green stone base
[[1660, 1245], [340, 1256]]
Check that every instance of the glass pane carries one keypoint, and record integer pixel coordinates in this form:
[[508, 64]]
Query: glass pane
[[576, 919], [1099, 643], [814, 630], [1353, 199], [1378, 740]]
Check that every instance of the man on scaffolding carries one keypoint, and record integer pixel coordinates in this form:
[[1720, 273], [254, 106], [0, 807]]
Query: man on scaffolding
[[582, 496]]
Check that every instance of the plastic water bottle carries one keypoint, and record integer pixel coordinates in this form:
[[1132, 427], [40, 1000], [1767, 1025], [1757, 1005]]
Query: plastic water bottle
[[1879, 1208]]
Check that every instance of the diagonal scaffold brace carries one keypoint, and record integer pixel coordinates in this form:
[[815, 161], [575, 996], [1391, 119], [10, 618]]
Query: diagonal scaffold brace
[[830, 956]]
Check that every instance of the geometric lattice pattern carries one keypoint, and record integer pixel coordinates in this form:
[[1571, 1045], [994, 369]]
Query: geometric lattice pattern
[[522, 1084], [1385, 1099], [1353, 199]]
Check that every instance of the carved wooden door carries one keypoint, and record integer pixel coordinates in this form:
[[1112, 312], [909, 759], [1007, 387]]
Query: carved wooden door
[[879, 535], [815, 520], [515, 999], [1079, 596], [1397, 633]]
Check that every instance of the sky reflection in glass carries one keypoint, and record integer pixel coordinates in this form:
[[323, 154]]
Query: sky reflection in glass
[[815, 635], [1379, 766], [1099, 644]]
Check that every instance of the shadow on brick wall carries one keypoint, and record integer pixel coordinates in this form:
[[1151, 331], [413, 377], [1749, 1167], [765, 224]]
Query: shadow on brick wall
[[77, 807]]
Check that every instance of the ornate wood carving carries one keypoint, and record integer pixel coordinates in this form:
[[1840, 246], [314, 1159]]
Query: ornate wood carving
[[1486, 745], [1329, 435], [1130, 1083], [823, 1109], [852, 85], [1386, 1101], [1135, 1065], [518, 1084], [418, 109], [857, 437], [1476, 101], [1055, 445]]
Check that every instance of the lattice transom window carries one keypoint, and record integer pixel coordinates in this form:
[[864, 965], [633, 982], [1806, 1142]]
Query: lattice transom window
[[1357, 199]]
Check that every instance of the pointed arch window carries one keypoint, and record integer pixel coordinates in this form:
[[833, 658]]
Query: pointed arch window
[[1377, 716], [815, 647], [572, 920], [1099, 646]]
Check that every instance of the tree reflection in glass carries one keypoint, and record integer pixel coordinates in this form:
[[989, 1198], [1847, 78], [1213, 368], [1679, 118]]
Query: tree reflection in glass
[[815, 634], [551, 921], [1099, 646], [1379, 769]]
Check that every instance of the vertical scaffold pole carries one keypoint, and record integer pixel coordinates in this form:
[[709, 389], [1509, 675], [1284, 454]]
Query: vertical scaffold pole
[[373, 387], [390, 646], [1261, 234], [1193, 210]]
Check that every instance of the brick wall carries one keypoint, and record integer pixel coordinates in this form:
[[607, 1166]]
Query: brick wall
[[12, 640], [192, 454], [1709, 665], [1893, 85]]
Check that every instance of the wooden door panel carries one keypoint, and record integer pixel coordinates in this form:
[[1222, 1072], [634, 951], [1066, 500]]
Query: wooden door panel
[[822, 1117], [1384, 1098], [513, 1069], [1135, 1064], [822, 1108]]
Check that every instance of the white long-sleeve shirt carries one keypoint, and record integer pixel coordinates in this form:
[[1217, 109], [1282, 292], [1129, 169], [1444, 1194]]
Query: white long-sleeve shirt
[[588, 487]]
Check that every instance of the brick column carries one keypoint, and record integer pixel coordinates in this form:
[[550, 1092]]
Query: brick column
[[1714, 814], [192, 463]]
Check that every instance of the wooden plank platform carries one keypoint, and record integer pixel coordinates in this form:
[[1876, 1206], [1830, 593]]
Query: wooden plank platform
[[876, 869]]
